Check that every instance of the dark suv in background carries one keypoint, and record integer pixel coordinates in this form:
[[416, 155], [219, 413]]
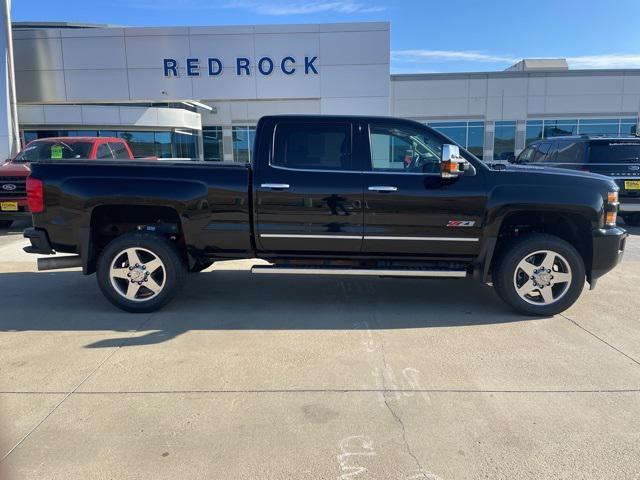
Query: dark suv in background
[[618, 158]]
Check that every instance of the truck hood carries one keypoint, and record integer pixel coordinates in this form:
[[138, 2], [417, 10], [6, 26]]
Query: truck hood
[[10, 169], [548, 176]]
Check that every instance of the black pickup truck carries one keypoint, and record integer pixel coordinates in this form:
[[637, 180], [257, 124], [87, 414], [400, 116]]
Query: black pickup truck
[[330, 195]]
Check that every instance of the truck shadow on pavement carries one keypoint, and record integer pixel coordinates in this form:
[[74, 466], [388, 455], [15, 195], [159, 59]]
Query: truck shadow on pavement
[[237, 300]]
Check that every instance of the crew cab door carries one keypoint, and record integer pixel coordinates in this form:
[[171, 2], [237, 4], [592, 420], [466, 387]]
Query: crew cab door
[[308, 187], [409, 208]]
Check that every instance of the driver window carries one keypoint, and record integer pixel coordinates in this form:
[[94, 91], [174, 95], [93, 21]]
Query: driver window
[[404, 149]]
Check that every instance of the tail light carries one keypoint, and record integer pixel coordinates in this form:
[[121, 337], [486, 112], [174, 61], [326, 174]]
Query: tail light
[[35, 195], [611, 209]]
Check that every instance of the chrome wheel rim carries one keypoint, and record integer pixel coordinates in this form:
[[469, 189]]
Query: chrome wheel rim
[[137, 274], [542, 277]]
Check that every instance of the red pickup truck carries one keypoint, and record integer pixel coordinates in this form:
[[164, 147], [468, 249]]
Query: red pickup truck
[[14, 172]]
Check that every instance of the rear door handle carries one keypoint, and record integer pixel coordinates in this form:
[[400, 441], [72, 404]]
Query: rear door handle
[[383, 188], [275, 186]]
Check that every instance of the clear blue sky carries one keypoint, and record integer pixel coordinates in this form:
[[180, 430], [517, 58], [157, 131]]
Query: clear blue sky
[[426, 35]]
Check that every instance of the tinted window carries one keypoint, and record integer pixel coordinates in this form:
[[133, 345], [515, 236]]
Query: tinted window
[[104, 151], [313, 146], [404, 149], [119, 150], [541, 151], [527, 154], [570, 152], [614, 152], [56, 150]]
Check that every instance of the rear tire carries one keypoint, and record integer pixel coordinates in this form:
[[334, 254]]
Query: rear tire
[[539, 274], [6, 223], [139, 272]]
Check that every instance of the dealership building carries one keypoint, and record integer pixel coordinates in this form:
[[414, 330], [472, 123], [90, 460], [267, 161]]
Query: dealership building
[[198, 92]]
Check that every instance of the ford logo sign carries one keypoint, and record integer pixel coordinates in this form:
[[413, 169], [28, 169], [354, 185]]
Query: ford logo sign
[[634, 167], [9, 187]]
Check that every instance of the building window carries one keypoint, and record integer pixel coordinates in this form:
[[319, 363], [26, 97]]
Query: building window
[[629, 126], [469, 135], [538, 129], [243, 137], [504, 142], [185, 144], [161, 144], [141, 143], [212, 143], [534, 131]]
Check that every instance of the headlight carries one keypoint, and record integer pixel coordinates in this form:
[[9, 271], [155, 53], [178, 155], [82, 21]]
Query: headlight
[[611, 210]]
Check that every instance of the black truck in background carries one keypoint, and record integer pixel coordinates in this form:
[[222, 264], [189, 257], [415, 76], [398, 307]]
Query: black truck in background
[[330, 195], [616, 157]]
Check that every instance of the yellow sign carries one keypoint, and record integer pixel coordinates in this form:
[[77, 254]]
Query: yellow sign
[[56, 152], [9, 206], [632, 184]]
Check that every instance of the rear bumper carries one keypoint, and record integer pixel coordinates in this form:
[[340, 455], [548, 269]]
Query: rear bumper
[[608, 249], [39, 241]]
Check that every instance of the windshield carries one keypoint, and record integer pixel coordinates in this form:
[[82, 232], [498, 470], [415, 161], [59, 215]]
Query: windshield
[[615, 152], [53, 150]]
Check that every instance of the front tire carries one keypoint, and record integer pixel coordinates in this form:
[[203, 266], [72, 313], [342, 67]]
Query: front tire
[[140, 272], [539, 274]]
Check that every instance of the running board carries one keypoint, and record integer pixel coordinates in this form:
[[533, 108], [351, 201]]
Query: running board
[[362, 271]]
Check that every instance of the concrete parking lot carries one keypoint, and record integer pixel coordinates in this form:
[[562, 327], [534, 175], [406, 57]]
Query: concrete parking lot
[[298, 377]]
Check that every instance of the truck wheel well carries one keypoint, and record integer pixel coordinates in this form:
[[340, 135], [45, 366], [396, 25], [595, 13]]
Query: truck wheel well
[[573, 228], [111, 221]]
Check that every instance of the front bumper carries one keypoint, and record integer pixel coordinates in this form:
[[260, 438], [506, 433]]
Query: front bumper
[[608, 249], [39, 241], [20, 214], [629, 205]]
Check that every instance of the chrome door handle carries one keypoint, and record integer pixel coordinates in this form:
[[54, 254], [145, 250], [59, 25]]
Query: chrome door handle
[[382, 188], [275, 186]]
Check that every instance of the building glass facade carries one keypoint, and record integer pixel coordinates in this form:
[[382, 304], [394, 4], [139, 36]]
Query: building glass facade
[[243, 137], [469, 135], [212, 144], [161, 144], [539, 129], [504, 141]]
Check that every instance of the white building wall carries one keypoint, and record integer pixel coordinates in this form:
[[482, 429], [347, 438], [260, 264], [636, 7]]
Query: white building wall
[[516, 96], [90, 65]]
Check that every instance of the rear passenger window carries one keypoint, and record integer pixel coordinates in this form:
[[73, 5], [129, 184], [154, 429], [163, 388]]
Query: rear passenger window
[[119, 150], [313, 146], [104, 151], [570, 152], [614, 152]]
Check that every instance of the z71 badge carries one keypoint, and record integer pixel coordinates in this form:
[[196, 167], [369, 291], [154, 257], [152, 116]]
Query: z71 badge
[[461, 223]]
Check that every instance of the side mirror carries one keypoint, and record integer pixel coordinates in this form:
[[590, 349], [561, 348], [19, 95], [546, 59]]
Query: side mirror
[[452, 164], [512, 159]]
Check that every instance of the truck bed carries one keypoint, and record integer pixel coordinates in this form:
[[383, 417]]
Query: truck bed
[[212, 199]]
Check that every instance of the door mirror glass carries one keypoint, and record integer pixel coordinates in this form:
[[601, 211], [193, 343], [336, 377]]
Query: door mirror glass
[[452, 164]]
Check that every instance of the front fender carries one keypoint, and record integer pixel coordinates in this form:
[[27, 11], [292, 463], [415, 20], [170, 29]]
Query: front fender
[[507, 199]]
